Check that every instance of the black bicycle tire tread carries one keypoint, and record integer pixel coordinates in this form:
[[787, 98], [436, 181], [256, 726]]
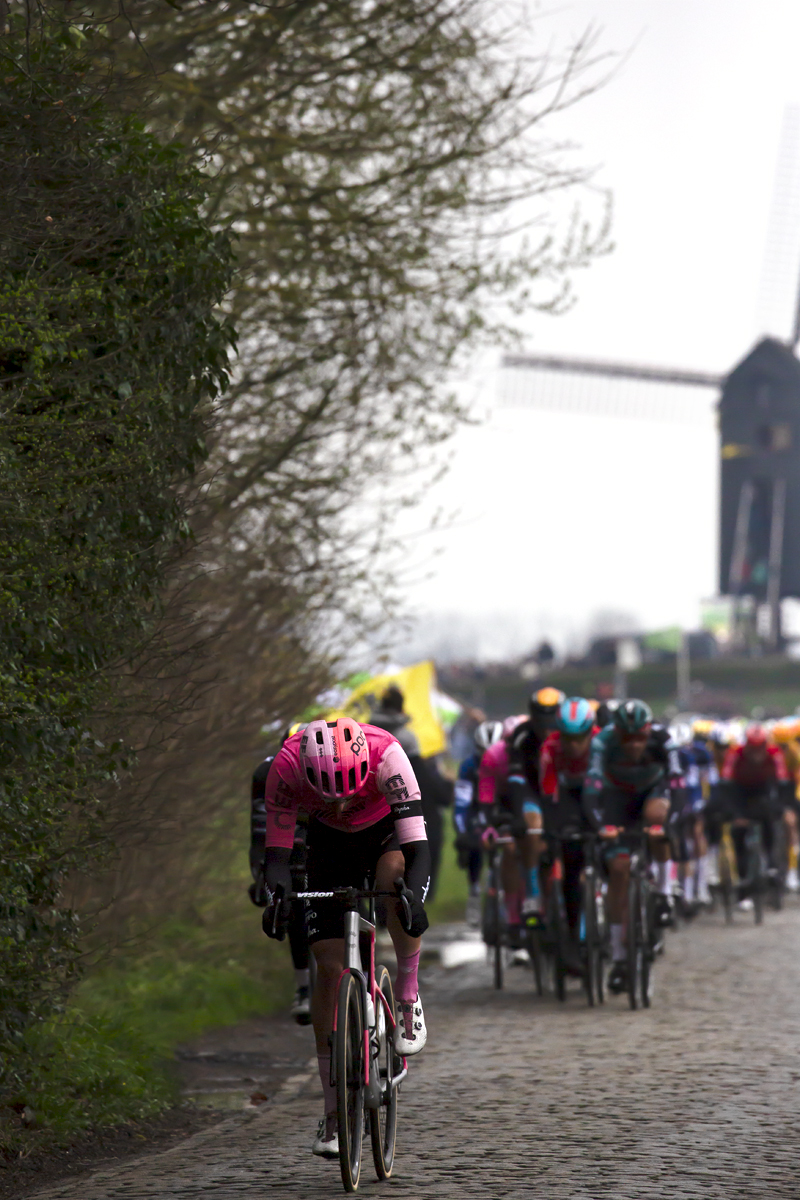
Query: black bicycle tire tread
[[348, 1000]]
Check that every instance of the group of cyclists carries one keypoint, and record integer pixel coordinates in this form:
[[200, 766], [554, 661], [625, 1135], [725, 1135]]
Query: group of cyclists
[[608, 769], [339, 804]]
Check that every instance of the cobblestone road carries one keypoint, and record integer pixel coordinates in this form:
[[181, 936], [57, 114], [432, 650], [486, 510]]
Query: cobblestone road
[[516, 1097]]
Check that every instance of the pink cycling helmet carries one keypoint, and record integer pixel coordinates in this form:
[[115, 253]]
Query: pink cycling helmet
[[511, 723], [334, 757]]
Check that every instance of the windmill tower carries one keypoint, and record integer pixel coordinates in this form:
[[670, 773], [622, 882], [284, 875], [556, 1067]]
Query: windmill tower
[[758, 417]]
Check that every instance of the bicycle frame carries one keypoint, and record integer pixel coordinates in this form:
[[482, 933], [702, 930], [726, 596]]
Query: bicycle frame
[[354, 926]]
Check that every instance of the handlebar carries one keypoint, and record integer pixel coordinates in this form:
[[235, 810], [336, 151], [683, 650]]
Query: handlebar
[[350, 895]]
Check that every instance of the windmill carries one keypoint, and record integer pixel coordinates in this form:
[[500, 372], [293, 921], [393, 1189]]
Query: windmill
[[759, 418]]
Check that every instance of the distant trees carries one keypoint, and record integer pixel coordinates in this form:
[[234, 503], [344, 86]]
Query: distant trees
[[111, 357]]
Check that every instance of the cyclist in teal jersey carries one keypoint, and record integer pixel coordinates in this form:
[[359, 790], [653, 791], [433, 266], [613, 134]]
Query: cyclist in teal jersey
[[632, 767]]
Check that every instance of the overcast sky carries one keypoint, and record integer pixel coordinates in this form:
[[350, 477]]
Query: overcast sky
[[562, 515]]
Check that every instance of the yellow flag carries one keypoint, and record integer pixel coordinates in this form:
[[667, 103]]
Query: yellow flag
[[416, 683]]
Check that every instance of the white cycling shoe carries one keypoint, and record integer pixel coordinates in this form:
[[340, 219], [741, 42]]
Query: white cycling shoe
[[410, 1033], [324, 1146]]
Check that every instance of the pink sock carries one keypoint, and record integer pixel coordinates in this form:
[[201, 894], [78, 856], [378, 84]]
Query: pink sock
[[513, 914], [328, 1091], [406, 987]]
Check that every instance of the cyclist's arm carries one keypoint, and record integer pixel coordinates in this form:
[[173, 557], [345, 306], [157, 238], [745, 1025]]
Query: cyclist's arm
[[397, 782]]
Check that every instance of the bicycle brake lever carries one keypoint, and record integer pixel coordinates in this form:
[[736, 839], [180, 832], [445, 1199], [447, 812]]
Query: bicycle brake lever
[[403, 895], [277, 900]]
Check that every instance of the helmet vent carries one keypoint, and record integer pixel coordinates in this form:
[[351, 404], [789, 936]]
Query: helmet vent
[[351, 778], [326, 783], [363, 771], [337, 778], [310, 776], [348, 737], [319, 737]]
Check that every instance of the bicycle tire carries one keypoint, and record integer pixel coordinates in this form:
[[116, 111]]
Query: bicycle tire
[[779, 858], [593, 951], [498, 939], [633, 938], [383, 1120], [647, 933], [726, 883], [533, 938], [755, 872], [556, 932], [350, 1078]]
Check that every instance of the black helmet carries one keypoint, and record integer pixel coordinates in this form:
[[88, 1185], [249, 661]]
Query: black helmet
[[633, 716], [546, 702], [605, 712]]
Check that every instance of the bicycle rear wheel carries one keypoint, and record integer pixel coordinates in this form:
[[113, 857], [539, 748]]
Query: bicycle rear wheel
[[383, 1120], [350, 1078]]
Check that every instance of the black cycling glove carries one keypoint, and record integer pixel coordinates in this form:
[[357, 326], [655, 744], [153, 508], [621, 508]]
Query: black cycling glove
[[275, 920], [419, 918]]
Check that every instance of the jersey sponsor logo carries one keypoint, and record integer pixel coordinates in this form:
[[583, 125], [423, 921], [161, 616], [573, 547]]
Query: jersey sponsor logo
[[397, 786]]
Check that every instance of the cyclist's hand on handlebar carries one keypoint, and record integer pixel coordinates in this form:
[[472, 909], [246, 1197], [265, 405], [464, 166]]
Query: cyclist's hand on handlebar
[[489, 837], [609, 832], [275, 920], [411, 911]]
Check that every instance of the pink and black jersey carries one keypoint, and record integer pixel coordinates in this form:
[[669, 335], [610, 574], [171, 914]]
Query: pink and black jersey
[[390, 787], [493, 772]]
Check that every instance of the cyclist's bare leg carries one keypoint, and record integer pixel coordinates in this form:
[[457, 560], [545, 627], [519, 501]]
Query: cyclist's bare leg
[[511, 879], [531, 849], [329, 955], [617, 902]]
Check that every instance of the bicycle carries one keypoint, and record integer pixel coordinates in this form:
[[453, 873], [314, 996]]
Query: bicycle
[[640, 932], [494, 924], [365, 1069], [592, 925]]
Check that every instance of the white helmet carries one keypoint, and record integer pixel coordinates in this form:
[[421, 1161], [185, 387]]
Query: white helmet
[[487, 733]]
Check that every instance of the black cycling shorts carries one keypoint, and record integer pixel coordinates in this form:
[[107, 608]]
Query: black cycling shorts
[[625, 809], [337, 859]]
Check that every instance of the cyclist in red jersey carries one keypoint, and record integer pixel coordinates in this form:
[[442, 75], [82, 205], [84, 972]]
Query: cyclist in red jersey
[[756, 786], [563, 763], [365, 821]]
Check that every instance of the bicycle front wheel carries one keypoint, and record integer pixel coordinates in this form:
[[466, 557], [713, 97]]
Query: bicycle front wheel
[[350, 1078], [383, 1120], [593, 949], [634, 940]]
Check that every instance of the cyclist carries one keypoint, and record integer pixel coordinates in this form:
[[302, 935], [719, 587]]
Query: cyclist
[[563, 763], [298, 936], [365, 821], [633, 765], [786, 735], [511, 785], [756, 787], [465, 815], [700, 776]]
